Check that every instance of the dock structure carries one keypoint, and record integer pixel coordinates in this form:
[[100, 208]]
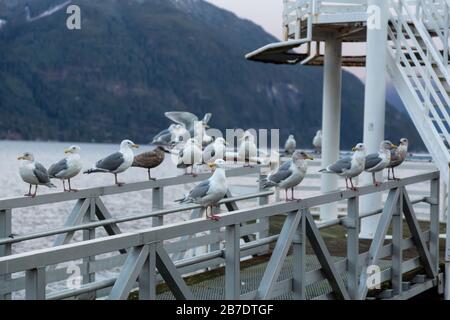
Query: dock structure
[[405, 39], [148, 257]]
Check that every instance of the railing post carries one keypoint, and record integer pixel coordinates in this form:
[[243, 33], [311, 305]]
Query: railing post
[[232, 262], [264, 233], [35, 284], [434, 222], [89, 234], [447, 247], [299, 262], [5, 250], [397, 251], [147, 277], [353, 228], [158, 204]]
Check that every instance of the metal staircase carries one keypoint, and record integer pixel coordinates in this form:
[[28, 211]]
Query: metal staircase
[[418, 63]]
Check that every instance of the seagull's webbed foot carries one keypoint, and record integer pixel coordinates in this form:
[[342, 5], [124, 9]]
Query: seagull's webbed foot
[[120, 184], [214, 217], [152, 179], [28, 195], [73, 190]]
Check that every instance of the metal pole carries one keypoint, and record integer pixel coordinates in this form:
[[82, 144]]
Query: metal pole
[[232, 263], [447, 249], [89, 234], [353, 247], [5, 250], [331, 120], [375, 102], [397, 250], [158, 204]]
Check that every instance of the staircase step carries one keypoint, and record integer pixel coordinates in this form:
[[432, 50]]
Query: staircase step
[[386, 294], [414, 30]]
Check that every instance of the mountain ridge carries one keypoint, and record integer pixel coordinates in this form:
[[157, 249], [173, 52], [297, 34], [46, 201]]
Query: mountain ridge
[[133, 60]]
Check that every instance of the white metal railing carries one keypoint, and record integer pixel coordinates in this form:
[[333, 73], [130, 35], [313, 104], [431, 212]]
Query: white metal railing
[[296, 15]]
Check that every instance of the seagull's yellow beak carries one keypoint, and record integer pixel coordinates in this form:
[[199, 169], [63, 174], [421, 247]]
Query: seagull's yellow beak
[[309, 157], [354, 149], [212, 165], [226, 143], [135, 146], [394, 146], [67, 151], [21, 158]]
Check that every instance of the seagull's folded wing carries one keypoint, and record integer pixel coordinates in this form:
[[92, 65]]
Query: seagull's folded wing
[[110, 163], [341, 165], [41, 173]]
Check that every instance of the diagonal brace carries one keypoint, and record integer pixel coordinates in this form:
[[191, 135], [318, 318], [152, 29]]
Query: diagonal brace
[[324, 257]]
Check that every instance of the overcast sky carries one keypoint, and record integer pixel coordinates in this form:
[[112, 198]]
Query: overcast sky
[[266, 13]]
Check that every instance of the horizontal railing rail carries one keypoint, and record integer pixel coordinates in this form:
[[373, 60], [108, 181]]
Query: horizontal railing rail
[[23, 202]]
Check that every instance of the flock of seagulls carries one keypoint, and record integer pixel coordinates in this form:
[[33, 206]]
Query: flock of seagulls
[[187, 139], [388, 157]]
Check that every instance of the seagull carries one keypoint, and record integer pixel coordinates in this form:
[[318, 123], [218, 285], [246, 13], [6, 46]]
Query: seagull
[[187, 119], [209, 192], [170, 136], [33, 173], [68, 167], [200, 134], [290, 145], [190, 155], [349, 167], [317, 141], [290, 174], [117, 162], [150, 160], [247, 149], [376, 162], [398, 156], [215, 150]]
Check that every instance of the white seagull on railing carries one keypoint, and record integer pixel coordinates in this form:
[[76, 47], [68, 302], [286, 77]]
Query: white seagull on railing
[[349, 167], [117, 162], [68, 167], [33, 173]]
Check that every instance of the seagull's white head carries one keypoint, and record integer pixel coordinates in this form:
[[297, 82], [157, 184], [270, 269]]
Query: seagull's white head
[[72, 150], [319, 132], [291, 136], [247, 136], [404, 142], [221, 141], [301, 155], [360, 147], [128, 144], [219, 163], [27, 156], [387, 145]]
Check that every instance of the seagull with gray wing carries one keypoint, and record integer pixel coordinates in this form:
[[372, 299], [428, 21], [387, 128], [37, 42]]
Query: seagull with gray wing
[[209, 192], [190, 156], [289, 175], [33, 173], [290, 145], [117, 162], [215, 150], [349, 167], [376, 162], [67, 168], [398, 156], [317, 141]]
